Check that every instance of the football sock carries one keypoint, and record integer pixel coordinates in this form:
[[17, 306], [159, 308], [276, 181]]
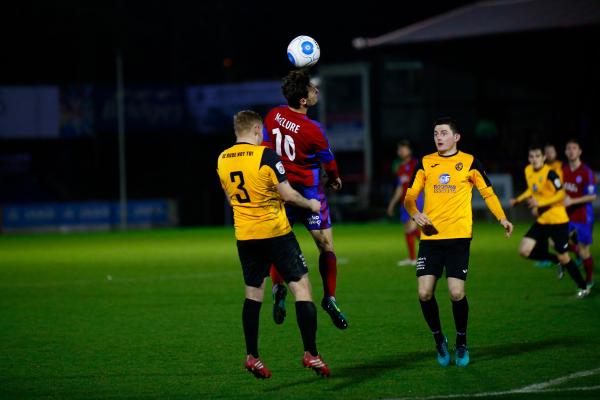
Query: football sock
[[574, 248], [540, 253], [306, 316], [588, 264], [250, 315], [276, 279], [575, 274], [431, 313], [410, 244], [328, 270], [460, 310]]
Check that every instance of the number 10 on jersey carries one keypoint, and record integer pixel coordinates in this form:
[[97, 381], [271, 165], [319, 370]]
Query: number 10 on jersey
[[288, 144]]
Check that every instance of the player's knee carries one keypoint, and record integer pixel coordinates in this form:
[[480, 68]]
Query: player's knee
[[457, 294], [425, 294], [563, 258], [524, 252]]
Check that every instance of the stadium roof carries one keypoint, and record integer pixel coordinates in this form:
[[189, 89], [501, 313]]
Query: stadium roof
[[492, 18]]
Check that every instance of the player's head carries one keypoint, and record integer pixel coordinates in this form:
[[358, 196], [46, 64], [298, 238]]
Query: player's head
[[404, 150], [445, 135], [248, 126], [550, 152], [573, 150], [536, 156], [298, 90]]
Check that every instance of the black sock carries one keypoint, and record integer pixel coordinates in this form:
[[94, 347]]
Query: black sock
[[460, 310], [431, 313], [540, 253], [575, 274], [250, 314], [306, 316]]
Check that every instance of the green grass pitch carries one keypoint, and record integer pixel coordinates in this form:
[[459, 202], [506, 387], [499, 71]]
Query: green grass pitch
[[157, 315]]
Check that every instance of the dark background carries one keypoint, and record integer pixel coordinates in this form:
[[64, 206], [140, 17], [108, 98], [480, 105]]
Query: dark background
[[535, 86]]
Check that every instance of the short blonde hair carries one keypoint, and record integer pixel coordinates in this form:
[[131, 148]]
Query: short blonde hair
[[243, 121]]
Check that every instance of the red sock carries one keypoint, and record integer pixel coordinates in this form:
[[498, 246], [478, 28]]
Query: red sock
[[588, 264], [276, 279], [410, 243], [417, 233], [328, 270], [574, 248]]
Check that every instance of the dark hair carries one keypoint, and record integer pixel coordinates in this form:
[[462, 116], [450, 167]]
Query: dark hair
[[295, 87], [549, 145], [536, 146], [451, 122], [573, 140], [245, 120], [405, 143]]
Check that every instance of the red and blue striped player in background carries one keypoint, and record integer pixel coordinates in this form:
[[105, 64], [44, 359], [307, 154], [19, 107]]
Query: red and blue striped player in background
[[580, 186], [404, 174], [303, 148]]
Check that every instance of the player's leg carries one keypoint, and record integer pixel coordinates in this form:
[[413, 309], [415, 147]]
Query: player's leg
[[410, 235], [278, 287], [584, 242], [429, 269], [534, 246], [255, 269], [319, 226], [288, 255], [560, 235], [457, 265]]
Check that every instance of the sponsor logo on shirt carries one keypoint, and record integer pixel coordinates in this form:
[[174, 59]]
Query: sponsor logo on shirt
[[444, 187]]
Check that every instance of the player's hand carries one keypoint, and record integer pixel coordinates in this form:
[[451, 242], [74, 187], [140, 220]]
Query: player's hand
[[513, 202], [390, 210], [335, 184], [315, 205], [532, 202], [421, 219], [568, 201], [508, 227], [534, 212]]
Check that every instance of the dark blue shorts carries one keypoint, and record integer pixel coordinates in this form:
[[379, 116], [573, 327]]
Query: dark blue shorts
[[584, 232], [312, 221]]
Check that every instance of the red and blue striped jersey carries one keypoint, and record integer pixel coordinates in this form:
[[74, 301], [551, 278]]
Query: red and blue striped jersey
[[301, 144], [578, 183]]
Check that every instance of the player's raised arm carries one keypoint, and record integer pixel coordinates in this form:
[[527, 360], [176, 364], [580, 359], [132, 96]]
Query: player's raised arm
[[484, 186]]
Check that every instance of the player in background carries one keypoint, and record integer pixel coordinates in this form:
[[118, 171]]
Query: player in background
[[447, 177], [403, 175], [545, 195], [304, 149], [580, 187], [551, 159], [256, 186]]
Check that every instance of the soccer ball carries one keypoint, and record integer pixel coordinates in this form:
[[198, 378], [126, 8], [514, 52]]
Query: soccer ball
[[303, 51]]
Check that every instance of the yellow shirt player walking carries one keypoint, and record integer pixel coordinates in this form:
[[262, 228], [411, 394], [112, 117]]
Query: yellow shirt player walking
[[545, 195], [447, 178], [255, 183]]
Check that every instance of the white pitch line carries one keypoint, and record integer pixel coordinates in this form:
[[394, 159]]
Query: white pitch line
[[536, 388]]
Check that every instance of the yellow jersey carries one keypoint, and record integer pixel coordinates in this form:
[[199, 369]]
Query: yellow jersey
[[556, 166], [447, 182], [545, 186], [249, 176]]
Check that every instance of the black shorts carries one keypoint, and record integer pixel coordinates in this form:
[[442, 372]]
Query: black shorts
[[453, 254], [559, 233], [257, 256]]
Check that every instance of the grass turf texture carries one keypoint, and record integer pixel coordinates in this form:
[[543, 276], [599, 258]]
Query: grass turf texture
[[158, 315]]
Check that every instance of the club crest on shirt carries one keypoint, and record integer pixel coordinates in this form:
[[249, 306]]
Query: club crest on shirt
[[459, 166], [578, 179]]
